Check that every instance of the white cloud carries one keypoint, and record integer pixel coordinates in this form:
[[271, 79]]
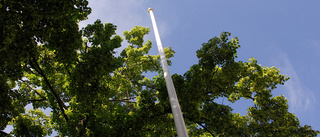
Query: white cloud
[[128, 13], [300, 97], [125, 15], [315, 44]]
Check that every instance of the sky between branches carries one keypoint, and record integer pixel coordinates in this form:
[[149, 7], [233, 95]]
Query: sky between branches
[[277, 33]]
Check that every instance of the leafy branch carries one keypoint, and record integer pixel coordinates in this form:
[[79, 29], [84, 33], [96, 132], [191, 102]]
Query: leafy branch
[[84, 122], [128, 99], [205, 128], [27, 83], [36, 66]]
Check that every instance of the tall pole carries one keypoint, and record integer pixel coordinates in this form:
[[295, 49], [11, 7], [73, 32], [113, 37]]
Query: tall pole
[[176, 111]]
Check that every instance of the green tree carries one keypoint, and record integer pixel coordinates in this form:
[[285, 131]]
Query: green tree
[[46, 61]]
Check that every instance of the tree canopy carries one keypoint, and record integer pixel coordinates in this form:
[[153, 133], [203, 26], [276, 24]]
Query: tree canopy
[[51, 64]]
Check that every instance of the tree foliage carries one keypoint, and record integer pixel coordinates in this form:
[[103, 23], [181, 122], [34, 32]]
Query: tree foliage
[[48, 62]]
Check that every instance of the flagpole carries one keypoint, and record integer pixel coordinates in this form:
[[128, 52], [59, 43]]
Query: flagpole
[[176, 111]]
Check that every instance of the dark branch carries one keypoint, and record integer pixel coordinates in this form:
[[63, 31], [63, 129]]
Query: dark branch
[[128, 101], [43, 97], [125, 100], [126, 62], [5, 122], [69, 73], [34, 100], [39, 71], [206, 129], [84, 121], [152, 87], [124, 65], [3, 133], [140, 63], [250, 98], [86, 49]]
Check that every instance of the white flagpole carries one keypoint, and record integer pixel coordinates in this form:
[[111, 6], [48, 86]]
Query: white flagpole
[[176, 111]]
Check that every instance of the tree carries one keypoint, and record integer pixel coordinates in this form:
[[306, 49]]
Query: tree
[[49, 63]]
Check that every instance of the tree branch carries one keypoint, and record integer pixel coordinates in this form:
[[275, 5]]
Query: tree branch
[[126, 62], [152, 87], [68, 72], [43, 98], [3, 133], [34, 100], [125, 100], [128, 99], [124, 65], [86, 49], [84, 121], [205, 128], [140, 63], [250, 98], [4, 124], [121, 100], [60, 103]]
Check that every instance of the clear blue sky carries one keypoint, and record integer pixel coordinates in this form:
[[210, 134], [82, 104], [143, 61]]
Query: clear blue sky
[[284, 34]]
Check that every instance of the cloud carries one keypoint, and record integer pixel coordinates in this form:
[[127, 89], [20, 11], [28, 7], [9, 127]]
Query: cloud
[[315, 45], [300, 97], [129, 13], [126, 15]]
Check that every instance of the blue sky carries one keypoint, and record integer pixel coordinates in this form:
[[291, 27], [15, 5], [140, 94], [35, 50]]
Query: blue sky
[[284, 34]]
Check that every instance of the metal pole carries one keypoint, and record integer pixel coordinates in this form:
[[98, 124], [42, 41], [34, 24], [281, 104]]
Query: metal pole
[[176, 111]]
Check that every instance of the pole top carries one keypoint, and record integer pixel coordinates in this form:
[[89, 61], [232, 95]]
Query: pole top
[[150, 9]]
